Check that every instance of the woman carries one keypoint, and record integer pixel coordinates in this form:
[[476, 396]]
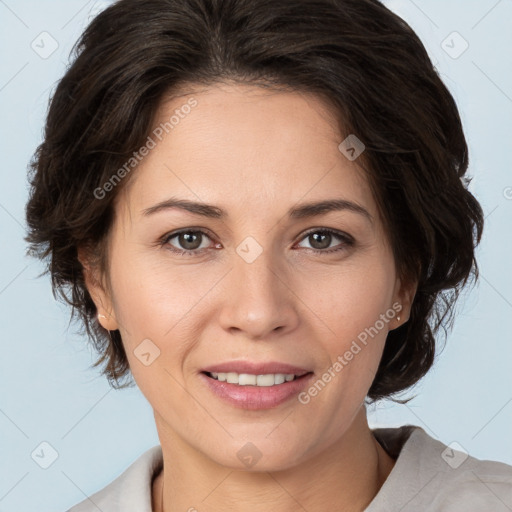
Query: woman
[[259, 210]]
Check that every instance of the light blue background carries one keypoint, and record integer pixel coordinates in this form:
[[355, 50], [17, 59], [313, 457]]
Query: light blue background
[[47, 392]]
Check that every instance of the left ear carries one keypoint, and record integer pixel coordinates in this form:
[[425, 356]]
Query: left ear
[[403, 298], [96, 286]]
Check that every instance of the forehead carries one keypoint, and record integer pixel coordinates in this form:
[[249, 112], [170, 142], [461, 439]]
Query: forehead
[[242, 143], [236, 100]]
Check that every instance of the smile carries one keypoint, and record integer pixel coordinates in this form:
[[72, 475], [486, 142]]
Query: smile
[[256, 392], [247, 379]]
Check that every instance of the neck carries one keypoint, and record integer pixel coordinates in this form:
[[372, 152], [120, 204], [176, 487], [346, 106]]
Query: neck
[[350, 472]]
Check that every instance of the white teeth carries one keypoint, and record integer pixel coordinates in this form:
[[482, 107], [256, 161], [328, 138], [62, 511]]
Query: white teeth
[[265, 380], [247, 379], [279, 378]]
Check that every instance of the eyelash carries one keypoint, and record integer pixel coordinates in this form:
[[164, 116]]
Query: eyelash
[[347, 241]]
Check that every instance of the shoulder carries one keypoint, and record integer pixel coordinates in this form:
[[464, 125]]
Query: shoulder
[[476, 484], [130, 491], [431, 476]]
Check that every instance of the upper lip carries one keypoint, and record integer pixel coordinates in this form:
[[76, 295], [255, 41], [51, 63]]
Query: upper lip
[[256, 368]]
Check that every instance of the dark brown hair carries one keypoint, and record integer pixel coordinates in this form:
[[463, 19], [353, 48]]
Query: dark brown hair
[[362, 59]]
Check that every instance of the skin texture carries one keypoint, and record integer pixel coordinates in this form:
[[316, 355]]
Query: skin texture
[[255, 154]]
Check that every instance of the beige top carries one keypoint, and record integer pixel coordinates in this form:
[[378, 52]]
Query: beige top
[[428, 476]]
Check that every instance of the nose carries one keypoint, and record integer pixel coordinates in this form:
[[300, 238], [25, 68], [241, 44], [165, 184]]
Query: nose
[[257, 300]]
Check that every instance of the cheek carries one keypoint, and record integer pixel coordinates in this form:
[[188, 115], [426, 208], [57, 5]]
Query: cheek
[[149, 298], [351, 298], [354, 343], [354, 309], [160, 311], [148, 309]]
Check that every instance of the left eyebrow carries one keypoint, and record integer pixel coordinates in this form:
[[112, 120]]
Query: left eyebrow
[[302, 211], [307, 210]]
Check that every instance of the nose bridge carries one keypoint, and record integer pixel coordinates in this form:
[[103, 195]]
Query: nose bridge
[[257, 301], [255, 270]]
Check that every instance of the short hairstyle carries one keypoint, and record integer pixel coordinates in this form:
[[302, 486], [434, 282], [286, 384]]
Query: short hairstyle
[[358, 56]]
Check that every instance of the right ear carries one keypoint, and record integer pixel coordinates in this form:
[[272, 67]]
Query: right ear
[[97, 290]]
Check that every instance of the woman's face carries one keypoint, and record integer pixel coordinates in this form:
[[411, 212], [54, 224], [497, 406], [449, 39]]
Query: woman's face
[[316, 289]]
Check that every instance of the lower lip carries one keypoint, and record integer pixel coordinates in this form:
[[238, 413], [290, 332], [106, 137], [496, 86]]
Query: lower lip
[[256, 397]]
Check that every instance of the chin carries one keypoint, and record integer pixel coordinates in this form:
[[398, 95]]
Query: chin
[[256, 457]]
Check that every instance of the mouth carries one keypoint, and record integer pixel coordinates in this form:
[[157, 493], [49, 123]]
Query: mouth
[[252, 391], [261, 380]]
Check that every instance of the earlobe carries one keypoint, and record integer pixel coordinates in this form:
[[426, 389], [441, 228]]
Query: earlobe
[[108, 321], [99, 295], [405, 297]]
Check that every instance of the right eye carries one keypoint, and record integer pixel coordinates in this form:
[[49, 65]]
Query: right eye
[[189, 241]]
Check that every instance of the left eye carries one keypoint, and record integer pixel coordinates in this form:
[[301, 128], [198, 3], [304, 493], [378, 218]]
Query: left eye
[[191, 241], [324, 237]]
